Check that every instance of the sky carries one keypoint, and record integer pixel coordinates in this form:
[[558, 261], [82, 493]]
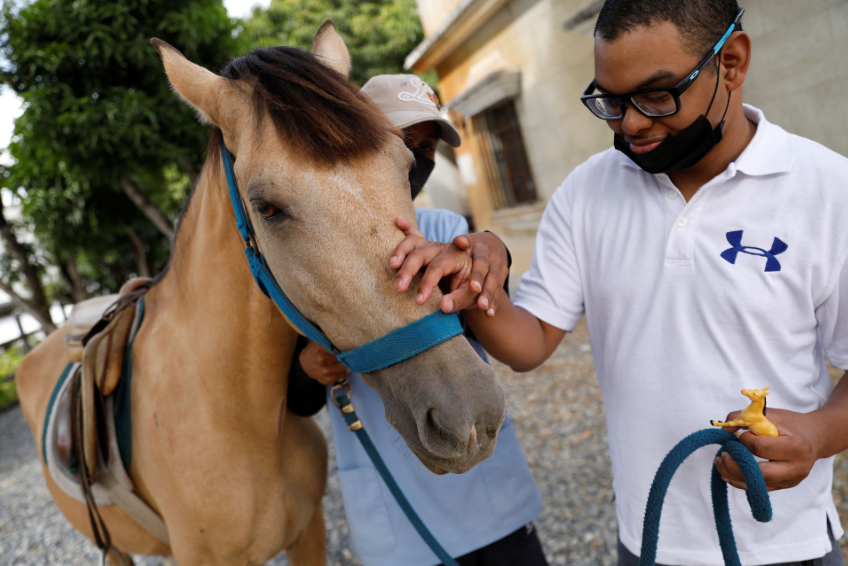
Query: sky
[[10, 104]]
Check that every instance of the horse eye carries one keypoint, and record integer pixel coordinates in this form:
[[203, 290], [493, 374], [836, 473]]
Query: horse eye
[[267, 211]]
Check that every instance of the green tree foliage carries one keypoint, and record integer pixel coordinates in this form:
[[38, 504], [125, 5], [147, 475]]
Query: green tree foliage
[[99, 120], [9, 362], [379, 33]]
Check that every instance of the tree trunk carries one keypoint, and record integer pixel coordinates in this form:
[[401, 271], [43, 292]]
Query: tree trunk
[[79, 292], [140, 254], [70, 272], [65, 272], [149, 209], [38, 305], [23, 333], [43, 318]]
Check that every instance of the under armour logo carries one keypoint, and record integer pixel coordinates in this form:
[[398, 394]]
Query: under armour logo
[[735, 239]]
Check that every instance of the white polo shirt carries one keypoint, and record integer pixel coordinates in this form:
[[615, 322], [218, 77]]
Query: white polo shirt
[[744, 286]]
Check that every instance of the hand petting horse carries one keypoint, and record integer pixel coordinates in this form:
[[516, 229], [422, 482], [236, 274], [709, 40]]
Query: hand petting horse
[[215, 453]]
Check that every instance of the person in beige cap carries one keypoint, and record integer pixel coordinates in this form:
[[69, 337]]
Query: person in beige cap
[[483, 517], [413, 107]]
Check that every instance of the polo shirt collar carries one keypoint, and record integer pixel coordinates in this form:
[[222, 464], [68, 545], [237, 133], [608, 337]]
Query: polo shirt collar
[[769, 152]]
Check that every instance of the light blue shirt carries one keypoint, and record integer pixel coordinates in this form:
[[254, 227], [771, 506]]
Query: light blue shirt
[[464, 512]]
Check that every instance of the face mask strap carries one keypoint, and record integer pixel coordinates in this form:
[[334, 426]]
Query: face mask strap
[[715, 90], [729, 94]]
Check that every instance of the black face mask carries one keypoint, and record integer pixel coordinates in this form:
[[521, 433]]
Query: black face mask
[[419, 174], [683, 150]]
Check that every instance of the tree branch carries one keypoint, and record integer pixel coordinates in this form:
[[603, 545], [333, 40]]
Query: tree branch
[[38, 306], [149, 209], [46, 323], [79, 292], [140, 254]]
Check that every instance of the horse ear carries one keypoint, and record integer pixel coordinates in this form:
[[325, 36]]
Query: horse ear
[[330, 46], [765, 390], [202, 89]]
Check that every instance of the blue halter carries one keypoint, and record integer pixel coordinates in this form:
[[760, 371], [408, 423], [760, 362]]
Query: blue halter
[[392, 348]]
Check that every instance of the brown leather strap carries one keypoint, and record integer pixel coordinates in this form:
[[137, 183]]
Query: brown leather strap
[[133, 505], [123, 302], [100, 533]]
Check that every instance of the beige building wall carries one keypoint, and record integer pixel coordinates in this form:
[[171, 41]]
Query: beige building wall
[[799, 71], [798, 76]]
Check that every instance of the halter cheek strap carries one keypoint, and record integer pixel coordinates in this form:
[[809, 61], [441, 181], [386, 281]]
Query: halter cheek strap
[[388, 350]]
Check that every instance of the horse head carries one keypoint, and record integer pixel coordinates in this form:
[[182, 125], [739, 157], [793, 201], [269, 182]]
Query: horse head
[[755, 394], [322, 175]]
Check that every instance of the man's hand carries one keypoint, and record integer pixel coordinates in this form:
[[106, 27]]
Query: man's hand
[[321, 365], [790, 456], [477, 265]]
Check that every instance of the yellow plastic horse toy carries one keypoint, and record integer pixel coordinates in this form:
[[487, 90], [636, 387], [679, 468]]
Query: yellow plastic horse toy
[[754, 415]]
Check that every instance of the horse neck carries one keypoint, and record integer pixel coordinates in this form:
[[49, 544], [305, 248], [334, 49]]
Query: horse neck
[[208, 313], [755, 407]]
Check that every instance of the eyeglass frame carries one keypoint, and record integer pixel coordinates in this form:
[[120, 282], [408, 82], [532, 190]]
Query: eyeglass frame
[[675, 91]]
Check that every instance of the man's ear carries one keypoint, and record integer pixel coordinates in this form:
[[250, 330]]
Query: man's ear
[[736, 58], [202, 89], [330, 46]]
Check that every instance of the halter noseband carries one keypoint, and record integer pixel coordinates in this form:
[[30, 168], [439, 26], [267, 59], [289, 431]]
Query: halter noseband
[[394, 347]]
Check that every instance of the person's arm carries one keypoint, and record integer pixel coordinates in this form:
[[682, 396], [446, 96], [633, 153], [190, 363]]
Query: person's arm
[[321, 365], [514, 337], [305, 396], [477, 267], [313, 368], [551, 292]]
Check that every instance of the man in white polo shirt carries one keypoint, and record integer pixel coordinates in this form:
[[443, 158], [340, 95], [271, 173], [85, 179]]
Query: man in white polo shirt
[[708, 253]]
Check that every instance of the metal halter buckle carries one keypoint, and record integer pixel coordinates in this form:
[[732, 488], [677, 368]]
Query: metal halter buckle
[[342, 384]]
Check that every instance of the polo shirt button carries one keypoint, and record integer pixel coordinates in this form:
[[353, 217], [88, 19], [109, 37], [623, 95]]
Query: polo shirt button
[[682, 222], [672, 194]]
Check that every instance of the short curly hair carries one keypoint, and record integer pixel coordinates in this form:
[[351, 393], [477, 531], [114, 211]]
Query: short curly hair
[[701, 22]]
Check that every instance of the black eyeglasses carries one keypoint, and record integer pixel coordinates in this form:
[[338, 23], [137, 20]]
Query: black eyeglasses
[[652, 102]]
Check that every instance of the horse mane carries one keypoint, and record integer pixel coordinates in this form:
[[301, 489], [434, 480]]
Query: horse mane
[[316, 110], [764, 406]]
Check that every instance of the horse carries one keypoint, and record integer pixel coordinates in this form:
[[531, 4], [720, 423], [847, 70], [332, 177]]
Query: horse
[[235, 476], [754, 416]]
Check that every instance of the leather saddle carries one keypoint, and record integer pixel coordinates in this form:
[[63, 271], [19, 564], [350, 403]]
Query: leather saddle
[[96, 334]]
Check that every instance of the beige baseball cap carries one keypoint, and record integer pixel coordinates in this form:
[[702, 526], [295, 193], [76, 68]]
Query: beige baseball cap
[[407, 100]]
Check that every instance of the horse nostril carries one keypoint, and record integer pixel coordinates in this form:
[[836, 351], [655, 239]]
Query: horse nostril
[[431, 419], [492, 432], [445, 436]]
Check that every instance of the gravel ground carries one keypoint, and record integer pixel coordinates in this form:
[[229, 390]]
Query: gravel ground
[[558, 414]]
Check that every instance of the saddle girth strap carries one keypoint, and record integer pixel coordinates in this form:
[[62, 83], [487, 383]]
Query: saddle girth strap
[[99, 532]]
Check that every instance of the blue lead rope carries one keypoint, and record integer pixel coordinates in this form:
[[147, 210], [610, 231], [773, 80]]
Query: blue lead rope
[[354, 424], [757, 492]]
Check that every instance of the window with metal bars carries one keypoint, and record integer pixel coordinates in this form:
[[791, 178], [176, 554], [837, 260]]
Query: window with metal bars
[[506, 162]]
